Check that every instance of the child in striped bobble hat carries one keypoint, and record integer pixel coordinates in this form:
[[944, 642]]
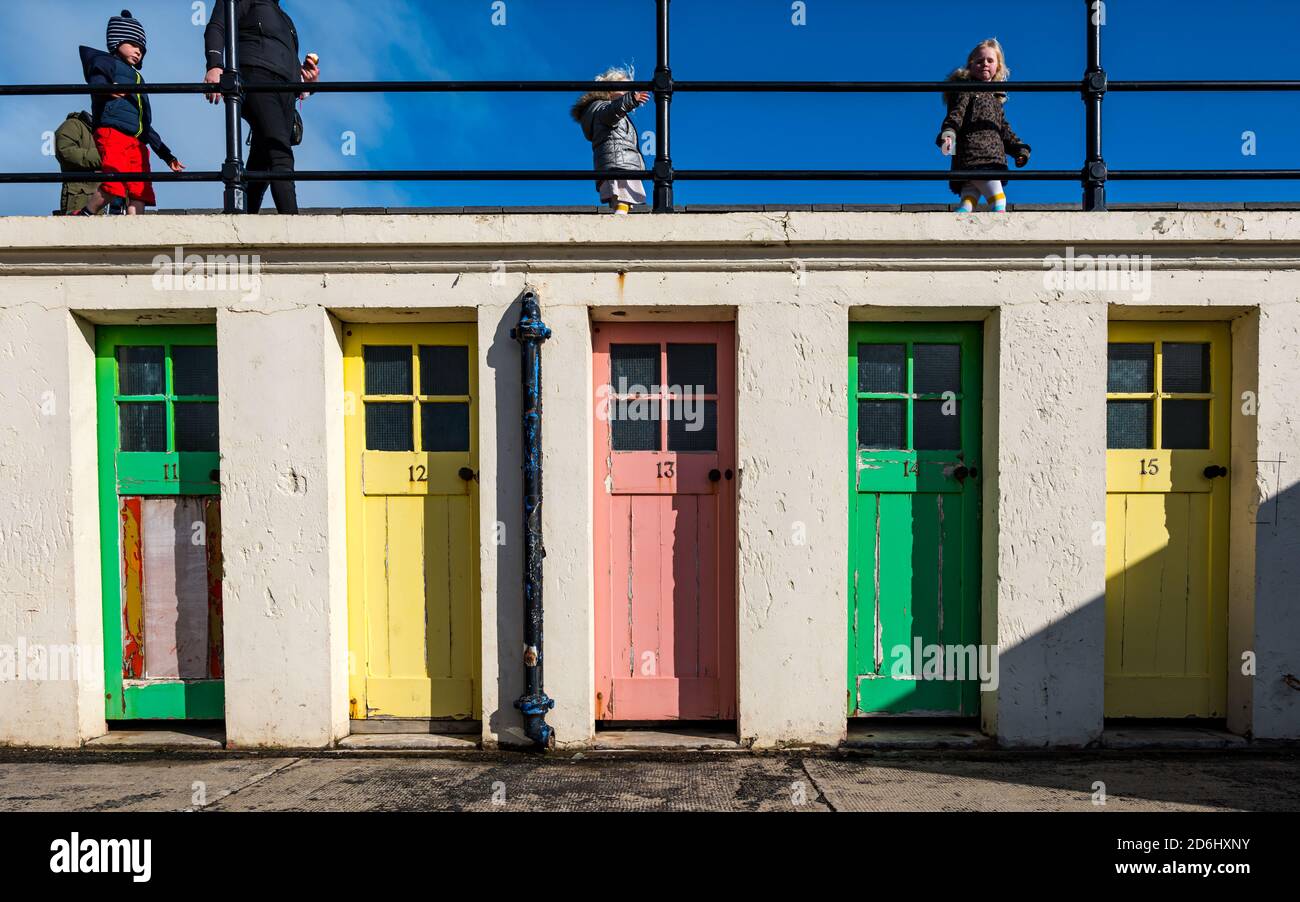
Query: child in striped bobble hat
[[123, 123]]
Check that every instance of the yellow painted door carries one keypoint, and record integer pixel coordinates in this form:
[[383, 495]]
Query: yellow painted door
[[411, 417], [1167, 423]]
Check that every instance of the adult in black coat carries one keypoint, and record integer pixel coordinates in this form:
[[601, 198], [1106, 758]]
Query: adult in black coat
[[268, 52]]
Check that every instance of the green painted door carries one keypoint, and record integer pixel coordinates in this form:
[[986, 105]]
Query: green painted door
[[160, 521], [914, 459]]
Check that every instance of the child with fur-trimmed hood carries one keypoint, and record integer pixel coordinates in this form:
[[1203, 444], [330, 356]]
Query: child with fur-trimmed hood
[[976, 129], [605, 120]]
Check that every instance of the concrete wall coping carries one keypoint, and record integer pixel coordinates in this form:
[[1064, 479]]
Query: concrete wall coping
[[33, 237]]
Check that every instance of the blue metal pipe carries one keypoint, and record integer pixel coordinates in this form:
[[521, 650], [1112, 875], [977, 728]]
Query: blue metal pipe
[[533, 704]]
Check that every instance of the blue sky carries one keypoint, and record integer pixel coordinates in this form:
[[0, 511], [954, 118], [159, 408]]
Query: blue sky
[[574, 39]]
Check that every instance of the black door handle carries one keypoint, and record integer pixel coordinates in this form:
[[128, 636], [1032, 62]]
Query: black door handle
[[214, 476], [728, 474], [715, 475], [961, 473], [1214, 471], [467, 474]]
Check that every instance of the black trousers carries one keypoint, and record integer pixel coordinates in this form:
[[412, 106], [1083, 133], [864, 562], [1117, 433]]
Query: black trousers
[[270, 123]]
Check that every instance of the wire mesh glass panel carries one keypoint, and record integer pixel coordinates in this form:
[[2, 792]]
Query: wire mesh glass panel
[[936, 425], [444, 370], [140, 370], [882, 424], [1185, 424], [389, 427], [1128, 424], [693, 369], [444, 426], [634, 425], [693, 426], [1130, 367], [936, 369], [634, 369], [142, 426], [1184, 367], [388, 369], [196, 427], [882, 368], [194, 370]]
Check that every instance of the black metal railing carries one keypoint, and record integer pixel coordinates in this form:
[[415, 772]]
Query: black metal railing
[[1093, 175]]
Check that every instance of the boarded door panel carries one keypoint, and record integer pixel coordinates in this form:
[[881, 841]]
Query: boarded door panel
[[412, 453], [175, 588], [1166, 528], [914, 518], [160, 521], [665, 522]]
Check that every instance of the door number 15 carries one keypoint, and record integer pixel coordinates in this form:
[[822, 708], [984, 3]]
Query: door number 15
[[1150, 467]]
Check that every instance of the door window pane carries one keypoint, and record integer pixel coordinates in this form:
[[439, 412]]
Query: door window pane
[[389, 427], [444, 426], [194, 370], [1185, 424], [882, 424], [634, 369], [140, 371], [1184, 367], [693, 426], [444, 370], [634, 424], [1130, 368], [196, 427], [1128, 424], [142, 427], [936, 426], [882, 368], [388, 370], [693, 369], [936, 369]]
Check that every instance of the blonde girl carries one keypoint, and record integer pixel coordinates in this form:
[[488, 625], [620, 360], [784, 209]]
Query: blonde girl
[[975, 131]]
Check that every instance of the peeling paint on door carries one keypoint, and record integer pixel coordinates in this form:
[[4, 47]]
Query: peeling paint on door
[[411, 442], [665, 521], [160, 526], [1168, 422], [914, 446]]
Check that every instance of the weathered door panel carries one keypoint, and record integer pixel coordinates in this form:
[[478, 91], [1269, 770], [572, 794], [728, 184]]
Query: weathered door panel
[[1166, 520], [160, 521], [665, 522], [914, 518], [412, 454]]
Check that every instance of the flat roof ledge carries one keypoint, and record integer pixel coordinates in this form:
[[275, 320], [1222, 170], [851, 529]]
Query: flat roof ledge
[[638, 237]]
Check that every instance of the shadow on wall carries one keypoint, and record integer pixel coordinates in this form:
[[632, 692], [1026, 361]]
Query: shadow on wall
[[503, 357], [1156, 625]]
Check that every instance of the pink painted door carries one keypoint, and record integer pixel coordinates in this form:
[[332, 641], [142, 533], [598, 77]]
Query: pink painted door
[[665, 521]]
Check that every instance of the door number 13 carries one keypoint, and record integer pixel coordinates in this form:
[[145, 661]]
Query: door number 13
[[667, 469]]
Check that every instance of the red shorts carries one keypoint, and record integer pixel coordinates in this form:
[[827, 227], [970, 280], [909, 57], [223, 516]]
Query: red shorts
[[122, 153]]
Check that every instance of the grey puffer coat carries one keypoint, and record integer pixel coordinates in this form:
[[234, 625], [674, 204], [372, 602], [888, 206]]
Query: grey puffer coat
[[605, 123]]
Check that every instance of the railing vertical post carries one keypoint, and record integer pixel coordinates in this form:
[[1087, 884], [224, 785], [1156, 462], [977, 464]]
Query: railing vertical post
[[232, 171], [663, 200], [1094, 90]]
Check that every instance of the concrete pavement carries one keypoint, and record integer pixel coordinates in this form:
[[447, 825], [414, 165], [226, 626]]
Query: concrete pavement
[[916, 781]]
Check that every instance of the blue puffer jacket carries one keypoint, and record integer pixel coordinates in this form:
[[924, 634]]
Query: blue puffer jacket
[[131, 114]]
